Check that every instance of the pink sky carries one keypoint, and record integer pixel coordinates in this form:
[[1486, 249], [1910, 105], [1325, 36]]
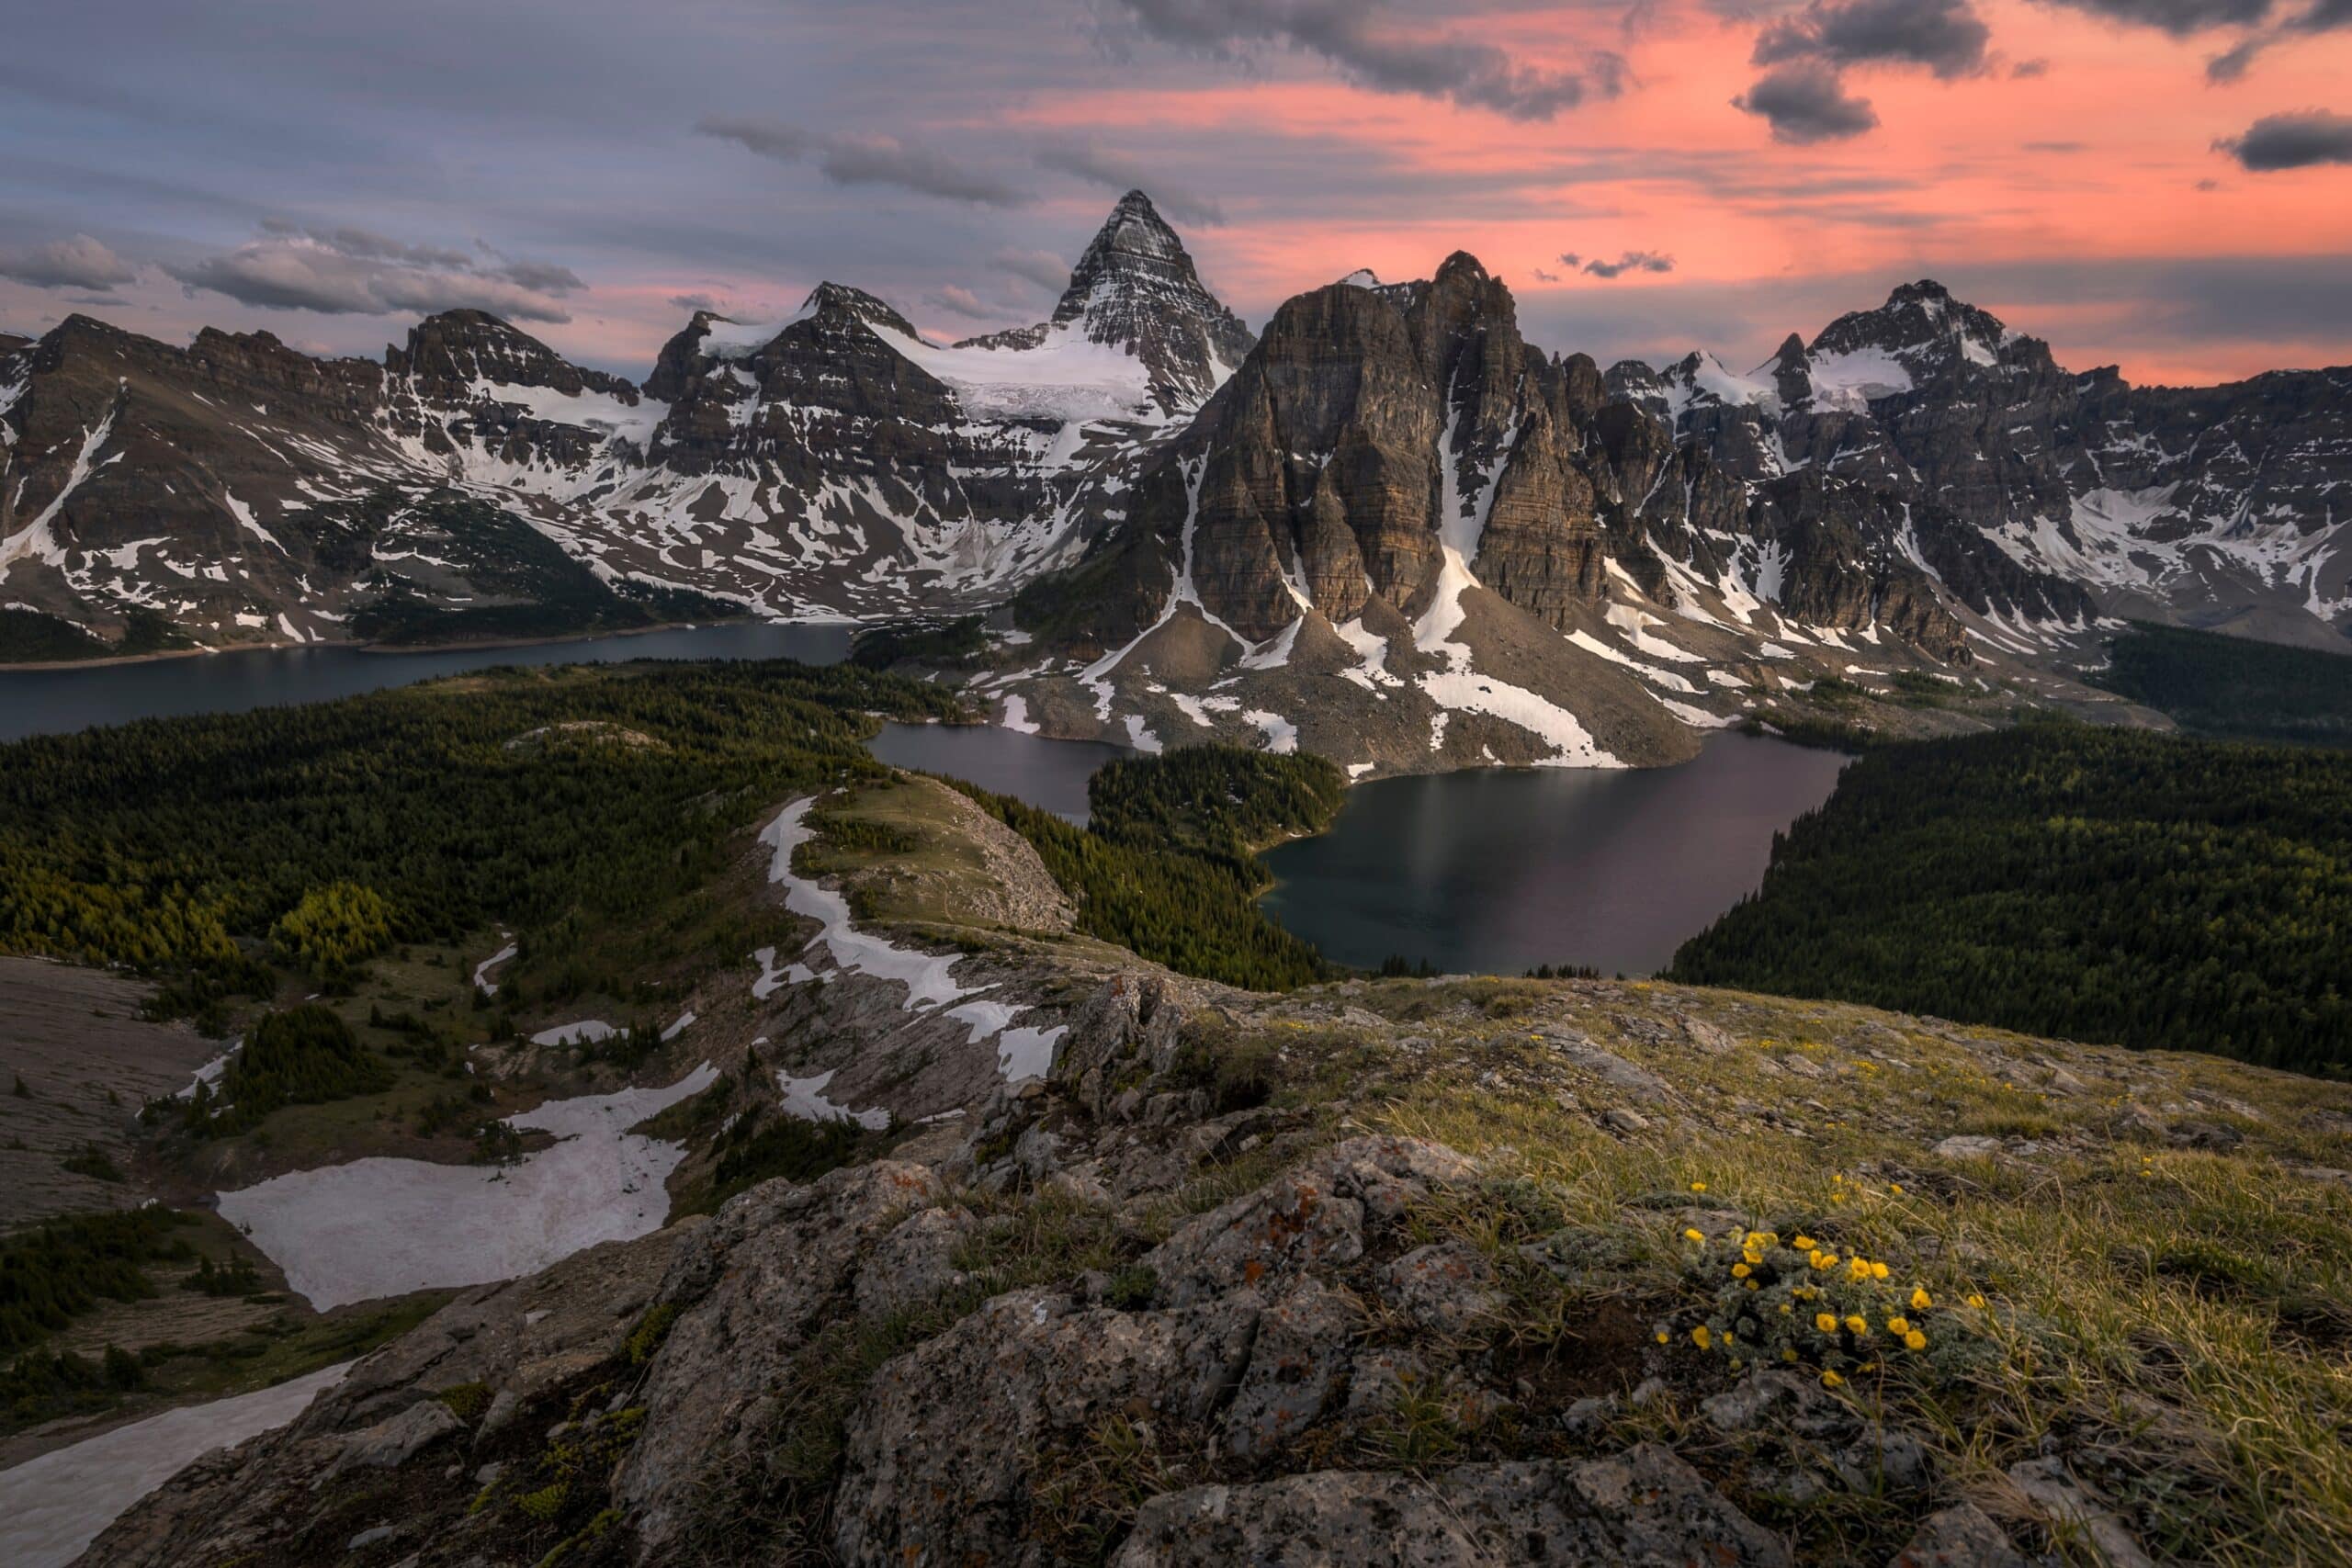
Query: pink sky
[[2086, 203]]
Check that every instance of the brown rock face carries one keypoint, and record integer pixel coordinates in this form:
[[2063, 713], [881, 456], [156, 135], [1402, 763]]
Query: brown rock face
[[1371, 429]]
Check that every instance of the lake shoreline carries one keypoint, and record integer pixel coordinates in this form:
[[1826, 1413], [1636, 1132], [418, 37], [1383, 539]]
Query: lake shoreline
[[35, 667]]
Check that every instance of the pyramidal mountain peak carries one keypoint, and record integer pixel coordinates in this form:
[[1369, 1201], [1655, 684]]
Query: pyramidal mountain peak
[[1136, 288]]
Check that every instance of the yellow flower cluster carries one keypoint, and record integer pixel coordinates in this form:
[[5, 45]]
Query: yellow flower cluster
[[1850, 1301]]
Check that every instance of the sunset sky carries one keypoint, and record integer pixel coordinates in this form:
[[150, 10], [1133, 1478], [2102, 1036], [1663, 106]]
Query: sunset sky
[[2164, 185]]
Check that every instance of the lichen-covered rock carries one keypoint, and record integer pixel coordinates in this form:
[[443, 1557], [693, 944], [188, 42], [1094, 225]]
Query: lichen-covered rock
[[396, 1439], [519, 1339], [1960, 1537], [1643, 1506], [914, 1266], [1313, 1215], [2050, 1486], [947, 1450], [1817, 1438], [1296, 1368], [748, 1291], [1446, 1287]]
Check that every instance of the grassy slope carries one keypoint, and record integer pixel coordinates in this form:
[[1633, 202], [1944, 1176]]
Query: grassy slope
[[2179, 1313]]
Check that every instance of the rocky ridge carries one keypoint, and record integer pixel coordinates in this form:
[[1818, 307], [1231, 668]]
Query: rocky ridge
[[2205, 505], [1421, 1271], [1390, 529], [836, 464]]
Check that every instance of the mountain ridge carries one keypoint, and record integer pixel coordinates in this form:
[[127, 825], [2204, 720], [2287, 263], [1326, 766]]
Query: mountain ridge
[[1477, 550]]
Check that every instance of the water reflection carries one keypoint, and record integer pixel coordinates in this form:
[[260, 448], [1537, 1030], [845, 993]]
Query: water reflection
[[1496, 871]]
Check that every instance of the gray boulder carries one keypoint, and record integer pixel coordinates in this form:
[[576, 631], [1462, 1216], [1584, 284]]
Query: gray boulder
[[945, 1453], [1643, 1506]]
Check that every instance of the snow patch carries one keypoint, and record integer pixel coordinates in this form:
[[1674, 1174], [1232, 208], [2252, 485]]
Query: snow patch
[[383, 1228], [51, 1507], [804, 1098], [929, 979]]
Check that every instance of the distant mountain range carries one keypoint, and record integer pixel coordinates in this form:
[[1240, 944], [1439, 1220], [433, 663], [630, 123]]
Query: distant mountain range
[[1389, 526]]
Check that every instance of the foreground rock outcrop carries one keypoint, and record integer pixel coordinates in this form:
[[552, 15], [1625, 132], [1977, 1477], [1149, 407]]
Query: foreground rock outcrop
[[1401, 1272]]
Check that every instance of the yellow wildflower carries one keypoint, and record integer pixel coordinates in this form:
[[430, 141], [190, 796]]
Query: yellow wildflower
[[1784, 1309], [1826, 1322], [1701, 1338], [1916, 1341], [1788, 1354], [1802, 1244], [1698, 1187], [1920, 1299], [1976, 1301], [1740, 1270], [1878, 1270], [1831, 1380], [1663, 1336], [1752, 1284], [1857, 1324], [1694, 1236], [1898, 1325], [1898, 1187]]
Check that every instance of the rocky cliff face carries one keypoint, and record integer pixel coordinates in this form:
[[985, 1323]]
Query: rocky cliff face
[[1419, 1272], [1404, 531]]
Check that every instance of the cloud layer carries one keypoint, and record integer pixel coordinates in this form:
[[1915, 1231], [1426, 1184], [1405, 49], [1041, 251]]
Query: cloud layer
[[867, 160], [350, 271], [1372, 47], [1794, 158], [78, 261]]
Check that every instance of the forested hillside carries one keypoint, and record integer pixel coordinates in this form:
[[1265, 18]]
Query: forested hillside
[[2234, 688], [555, 802], [1167, 867], [2092, 883]]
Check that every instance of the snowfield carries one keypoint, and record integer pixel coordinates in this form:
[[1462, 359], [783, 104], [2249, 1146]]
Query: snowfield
[[53, 1506], [383, 1228]]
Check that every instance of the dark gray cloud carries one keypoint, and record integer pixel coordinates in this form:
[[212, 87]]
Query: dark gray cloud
[[1116, 171], [1371, 48], [1043, 268], [2179, 17], [1806, 102], [358, 272], [1946, 36], [1543, 276], [79, 262], [2322, 17], [865, 160], [2296, 140], [1631, 261], [2025, 69], [690, 303], [545, 276]]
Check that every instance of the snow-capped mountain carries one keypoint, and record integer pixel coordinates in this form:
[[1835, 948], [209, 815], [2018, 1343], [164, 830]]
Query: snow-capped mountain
[[2212, 506], [1400, 534], [1390, 529], [834, 464]]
